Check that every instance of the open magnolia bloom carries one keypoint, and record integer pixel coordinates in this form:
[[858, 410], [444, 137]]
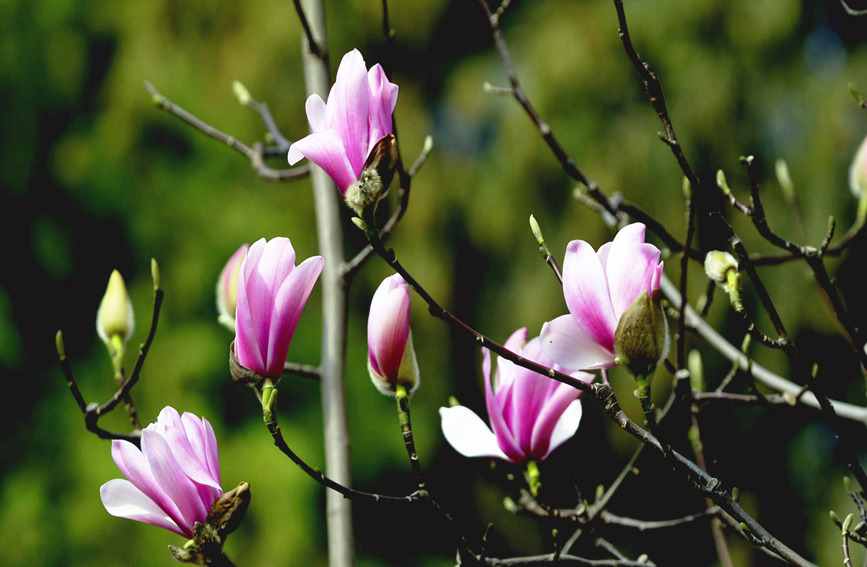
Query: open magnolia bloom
[[173, 480], [599, 287], [272, 293], [346, 128], [530, 414]]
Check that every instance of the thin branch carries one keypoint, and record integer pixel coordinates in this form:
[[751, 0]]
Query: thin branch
[[646, 525], [302, 370], [763, 375], [317, 49], [254, 154]]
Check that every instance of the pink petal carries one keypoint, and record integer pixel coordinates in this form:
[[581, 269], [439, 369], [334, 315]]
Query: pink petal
[[566, 426], [530, 396], [135, 467], [548, 416], [505, 367], [468, 435], [566, 343], [631, 266], [326, 149], [171, 478], [347, 108], [388, 327], [586, 291], [383, 98], [123, 500], [291, 297], [505, 439]]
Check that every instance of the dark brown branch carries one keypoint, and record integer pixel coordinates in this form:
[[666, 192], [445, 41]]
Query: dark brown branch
[[315, 47]]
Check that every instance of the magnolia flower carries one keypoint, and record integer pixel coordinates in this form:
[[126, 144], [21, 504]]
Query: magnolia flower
[[599, 287], [227, 287], [530, 414], [173, 480], [390, 357], [346, 129], [272, 292]]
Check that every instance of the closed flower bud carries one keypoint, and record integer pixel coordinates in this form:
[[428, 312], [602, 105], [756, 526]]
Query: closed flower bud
[[227, 288], [228, 510], [641, 338], [717, 264], [115, 317], [390, 356]]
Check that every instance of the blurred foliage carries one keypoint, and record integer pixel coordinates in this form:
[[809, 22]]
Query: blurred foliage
[[94, 178]]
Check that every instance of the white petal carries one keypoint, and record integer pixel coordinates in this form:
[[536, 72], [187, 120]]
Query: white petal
[[467, 433]]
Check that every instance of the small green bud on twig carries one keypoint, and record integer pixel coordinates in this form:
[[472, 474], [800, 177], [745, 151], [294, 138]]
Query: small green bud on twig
[[58, 342], [721, 182], [241, 92], [155, 274], [856, 93], [847, 523]]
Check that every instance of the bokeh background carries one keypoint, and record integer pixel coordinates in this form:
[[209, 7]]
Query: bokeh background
[[94, 177]]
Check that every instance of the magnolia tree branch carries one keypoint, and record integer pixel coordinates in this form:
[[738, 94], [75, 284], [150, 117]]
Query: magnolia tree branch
[[255, 154], [341, 547]]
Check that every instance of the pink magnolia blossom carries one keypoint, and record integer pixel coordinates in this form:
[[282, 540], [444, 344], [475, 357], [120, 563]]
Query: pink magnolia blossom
[[227, 286], [390, 355], [173, 480], [356, 117], [599, 287], [530, 414], [272, 292]]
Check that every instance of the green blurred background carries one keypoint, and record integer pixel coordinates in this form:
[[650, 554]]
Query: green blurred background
[[94, 177]]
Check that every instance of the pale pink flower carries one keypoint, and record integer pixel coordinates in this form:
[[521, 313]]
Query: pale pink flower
[[227, 287], [173, 480], [599, 287], [272, 293], [356, 117], [530, 414], [390, 355]]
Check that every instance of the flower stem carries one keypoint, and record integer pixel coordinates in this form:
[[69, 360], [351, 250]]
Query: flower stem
[[406, 428]]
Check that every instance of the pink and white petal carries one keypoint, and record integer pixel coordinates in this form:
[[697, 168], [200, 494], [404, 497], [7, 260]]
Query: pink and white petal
[[316, 110], [289, 302], [123, 500], [135, 467], [188, 457], [566, 343], [566, 426], [347, 108], [383, 98], [388, 332], [171, 478], [505, 439], [468, 435], [530, 396], [631, 271], [586, 291], [326, 149], [547, 418], [505, 368], [246, 348]]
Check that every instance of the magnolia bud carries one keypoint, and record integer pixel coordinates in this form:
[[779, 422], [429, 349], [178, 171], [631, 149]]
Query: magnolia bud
[[115, 316], [407, 375], [228, 510], [717, 264], [375, 177], [641, 337], [227, 288]]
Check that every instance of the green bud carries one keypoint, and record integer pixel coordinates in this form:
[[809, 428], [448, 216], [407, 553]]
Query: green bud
[[115, 316], [155, 274], [537, 231], [241, 93], [859, 98], [641, 337], [696, 371], [453, 401], [847, 523], [736, 493], [510, 505], [686, 187], [58, 343], [717, 264], [785, 181], [835, 518], [721, 182]]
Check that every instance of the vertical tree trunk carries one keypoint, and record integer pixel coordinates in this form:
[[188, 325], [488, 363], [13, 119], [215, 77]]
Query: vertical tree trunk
[[326, 196]]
